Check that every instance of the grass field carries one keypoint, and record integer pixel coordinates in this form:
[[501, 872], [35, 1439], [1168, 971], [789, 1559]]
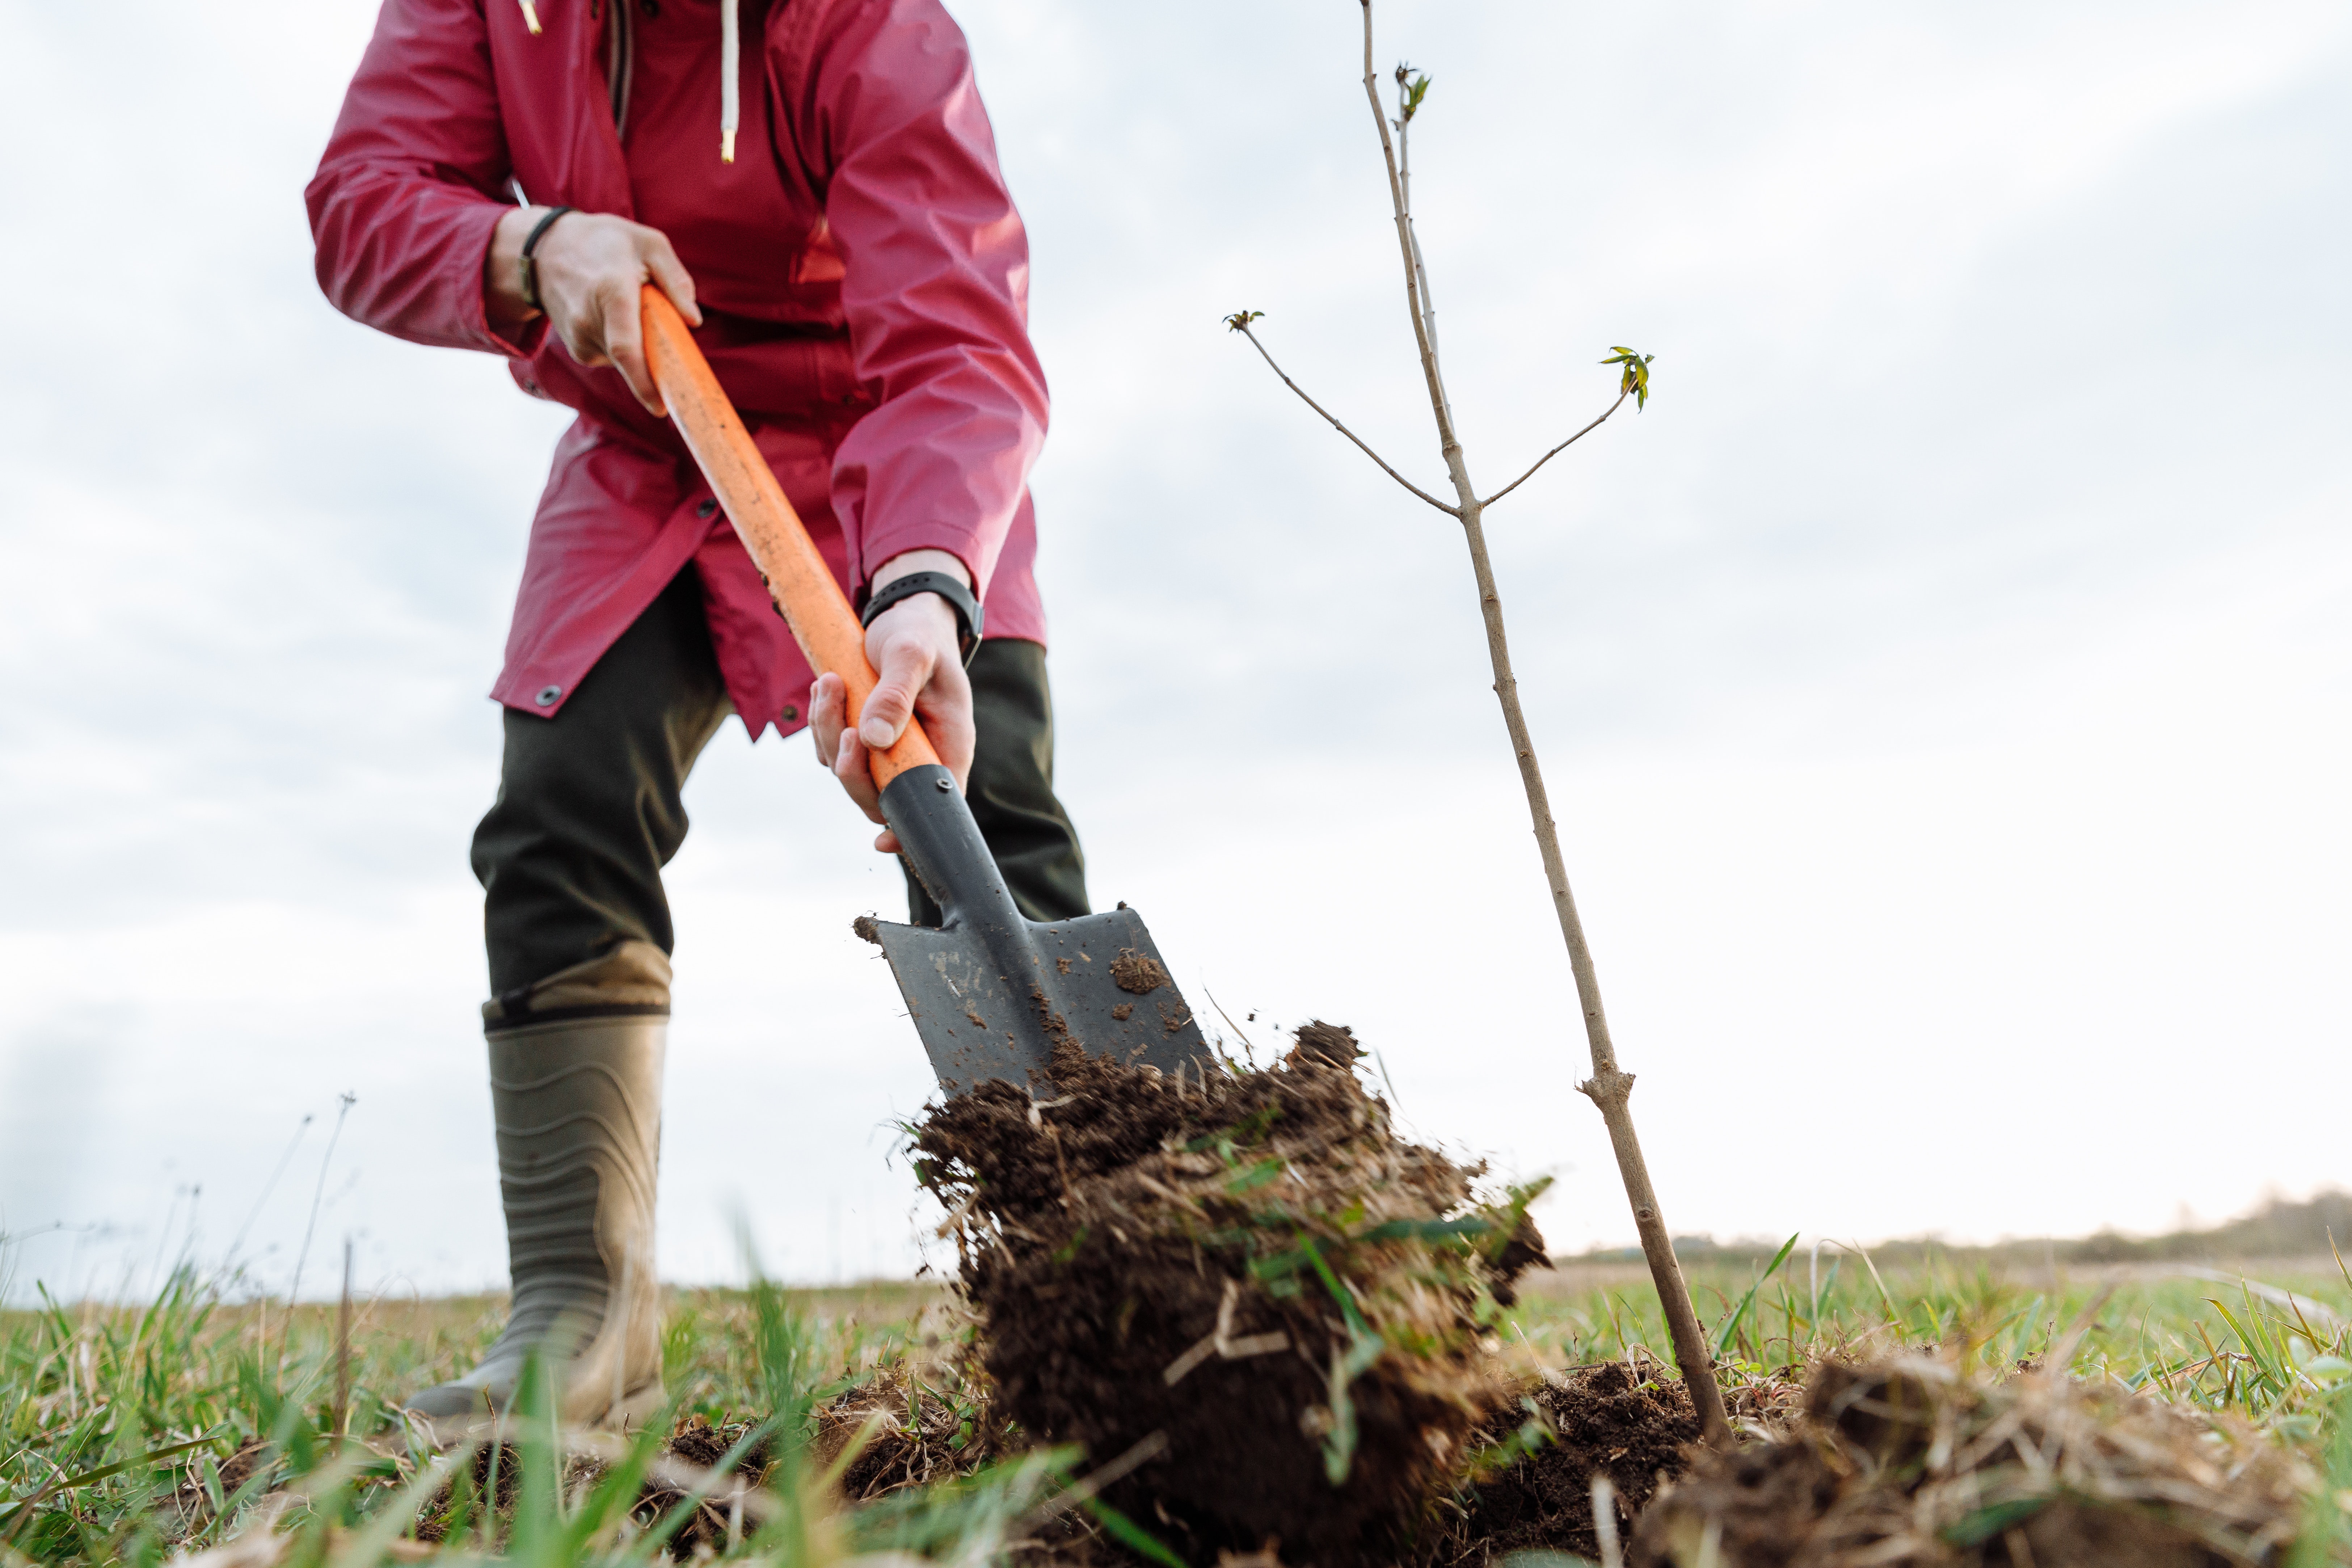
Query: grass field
[[128, 1433]]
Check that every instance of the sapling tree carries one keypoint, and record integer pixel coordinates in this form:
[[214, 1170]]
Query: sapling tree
[[1610, 1087]]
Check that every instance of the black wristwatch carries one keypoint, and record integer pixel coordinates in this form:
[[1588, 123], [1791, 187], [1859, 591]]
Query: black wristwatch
[[959, 598]]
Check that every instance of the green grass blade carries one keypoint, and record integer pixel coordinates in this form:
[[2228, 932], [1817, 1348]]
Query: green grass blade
[[1724, 1335]]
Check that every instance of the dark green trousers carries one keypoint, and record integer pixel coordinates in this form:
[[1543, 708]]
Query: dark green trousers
[[589, 810]]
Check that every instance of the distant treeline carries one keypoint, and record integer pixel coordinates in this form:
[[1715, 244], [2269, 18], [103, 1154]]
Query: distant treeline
[[2277, 1229]]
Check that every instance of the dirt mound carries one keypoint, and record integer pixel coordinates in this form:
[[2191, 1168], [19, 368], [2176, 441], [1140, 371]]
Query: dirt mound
[[1243, 1282], [1604, 1419], [489, 1471], [922, 1419], [698, 1446], [494, 1471], [1908, 1464]]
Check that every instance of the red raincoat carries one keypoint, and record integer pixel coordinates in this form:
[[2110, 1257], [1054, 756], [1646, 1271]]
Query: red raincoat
[[862, 273]]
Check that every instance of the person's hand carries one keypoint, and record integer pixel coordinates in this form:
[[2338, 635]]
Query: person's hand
[[912, 647], [591, 267]]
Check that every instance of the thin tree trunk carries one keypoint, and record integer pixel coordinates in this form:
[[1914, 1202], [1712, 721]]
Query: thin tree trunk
[[1609, 1088]]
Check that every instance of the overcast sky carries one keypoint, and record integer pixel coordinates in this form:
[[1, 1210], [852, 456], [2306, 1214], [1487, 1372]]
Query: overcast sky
[[1943, 686]]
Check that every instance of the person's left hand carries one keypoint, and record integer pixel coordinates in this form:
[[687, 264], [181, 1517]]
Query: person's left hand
[[912, 647]]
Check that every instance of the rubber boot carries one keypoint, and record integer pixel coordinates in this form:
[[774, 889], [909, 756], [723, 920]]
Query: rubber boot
[[575, 1084]]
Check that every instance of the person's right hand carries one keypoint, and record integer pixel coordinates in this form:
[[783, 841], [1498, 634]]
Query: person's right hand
[[591, 267]]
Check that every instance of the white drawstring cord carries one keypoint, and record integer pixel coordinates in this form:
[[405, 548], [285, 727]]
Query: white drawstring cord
[[530, 17], [730, 95]]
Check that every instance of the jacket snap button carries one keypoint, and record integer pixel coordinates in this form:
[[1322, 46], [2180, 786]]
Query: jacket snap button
[[790, 713], [548, 694], [706, 507]]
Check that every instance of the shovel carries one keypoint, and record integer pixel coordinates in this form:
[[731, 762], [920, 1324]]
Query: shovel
[[992, 992]]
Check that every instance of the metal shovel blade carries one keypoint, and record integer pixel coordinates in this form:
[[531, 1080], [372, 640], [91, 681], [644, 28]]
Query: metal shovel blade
[[992, 992], [986, 1012]]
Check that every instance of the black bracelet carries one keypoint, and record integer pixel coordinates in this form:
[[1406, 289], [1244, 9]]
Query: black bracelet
[[969, 614], [530, 265]]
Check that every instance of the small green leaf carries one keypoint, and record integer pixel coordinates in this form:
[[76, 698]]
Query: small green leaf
[[1637, 377], [1240, 319], [1413, 86]]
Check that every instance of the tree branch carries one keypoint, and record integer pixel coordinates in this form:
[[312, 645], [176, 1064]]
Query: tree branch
[[1439, 405], [1556, 451], [1428, 302], [1449, 511]]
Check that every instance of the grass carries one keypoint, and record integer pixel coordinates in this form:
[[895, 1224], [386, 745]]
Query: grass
[[128, 1432]]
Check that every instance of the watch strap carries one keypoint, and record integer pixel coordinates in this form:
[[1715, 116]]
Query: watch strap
[[968, 611], [530, 259]]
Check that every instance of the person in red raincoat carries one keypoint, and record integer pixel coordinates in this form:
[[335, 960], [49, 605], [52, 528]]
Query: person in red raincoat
[[814, 184]]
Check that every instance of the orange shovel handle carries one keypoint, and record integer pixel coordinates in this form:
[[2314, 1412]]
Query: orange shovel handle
[[813, 603]]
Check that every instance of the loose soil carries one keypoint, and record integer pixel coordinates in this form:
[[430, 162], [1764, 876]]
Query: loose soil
[[695, 1442], [1905, 1462], [694, 1446], [1245, 1278], [1604, 1420], [1908, 1463]]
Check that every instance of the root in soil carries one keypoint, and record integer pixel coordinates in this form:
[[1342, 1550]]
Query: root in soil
[[1909, 1464], [1246, 1274]]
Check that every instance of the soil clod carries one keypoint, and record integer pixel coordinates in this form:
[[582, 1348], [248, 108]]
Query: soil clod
[[1251, 1264], [1139, 973], [1603, 1420], [695, 1443], [1907, 1463]]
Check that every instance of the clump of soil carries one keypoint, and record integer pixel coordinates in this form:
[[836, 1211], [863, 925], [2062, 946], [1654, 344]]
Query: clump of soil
[[1906, 1463], [1139, 973], [1243, 1282], [1606, 1420], [491, 1470], [914, 1422], [695, 1445]]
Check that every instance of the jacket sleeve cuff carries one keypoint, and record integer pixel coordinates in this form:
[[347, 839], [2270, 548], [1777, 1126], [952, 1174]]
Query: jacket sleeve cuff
[[482, 224], [879, 551]]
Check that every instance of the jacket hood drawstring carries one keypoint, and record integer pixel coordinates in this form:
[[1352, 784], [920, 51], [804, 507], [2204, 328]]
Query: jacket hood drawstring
[[730, 63], [730, 91]]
